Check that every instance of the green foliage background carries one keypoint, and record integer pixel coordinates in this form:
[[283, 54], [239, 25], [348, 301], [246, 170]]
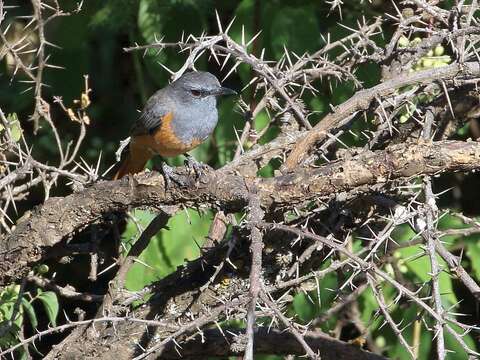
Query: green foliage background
[[92, 42]]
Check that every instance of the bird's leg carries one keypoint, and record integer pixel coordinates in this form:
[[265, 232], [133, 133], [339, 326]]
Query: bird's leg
[[197, 167], [169, 176]]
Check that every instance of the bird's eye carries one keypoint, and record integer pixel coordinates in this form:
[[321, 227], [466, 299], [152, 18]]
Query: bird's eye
[[195, 93]]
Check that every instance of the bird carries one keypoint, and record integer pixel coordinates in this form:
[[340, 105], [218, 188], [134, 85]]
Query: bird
[[176, 119]]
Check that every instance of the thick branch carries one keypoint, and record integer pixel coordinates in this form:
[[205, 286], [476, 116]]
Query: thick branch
[[267, 341], [361, 101], [60, 218]]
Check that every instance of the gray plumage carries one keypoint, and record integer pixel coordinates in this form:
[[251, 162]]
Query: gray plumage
[[192, 99]]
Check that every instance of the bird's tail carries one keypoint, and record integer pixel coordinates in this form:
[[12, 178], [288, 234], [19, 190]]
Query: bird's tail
[[133, 162]]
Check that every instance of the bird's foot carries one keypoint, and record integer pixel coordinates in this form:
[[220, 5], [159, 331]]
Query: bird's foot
[[198, 167], [170, 177]]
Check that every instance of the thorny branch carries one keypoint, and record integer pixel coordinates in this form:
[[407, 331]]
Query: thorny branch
[[304, 223], [255, 215], [430, 214]]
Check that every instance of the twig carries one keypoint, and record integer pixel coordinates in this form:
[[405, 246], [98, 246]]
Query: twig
[[67, 291], [255, 215]]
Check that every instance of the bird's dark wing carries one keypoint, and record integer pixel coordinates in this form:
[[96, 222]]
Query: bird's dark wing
[[150, 119]]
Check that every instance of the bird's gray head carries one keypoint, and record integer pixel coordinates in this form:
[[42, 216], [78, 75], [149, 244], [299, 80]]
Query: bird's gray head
[[194, 95], [199, 87]]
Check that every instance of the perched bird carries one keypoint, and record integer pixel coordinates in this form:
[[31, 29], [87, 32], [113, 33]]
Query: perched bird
[[175, 119]]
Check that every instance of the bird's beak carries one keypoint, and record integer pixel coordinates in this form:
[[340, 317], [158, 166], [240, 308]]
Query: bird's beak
[[223, 91]]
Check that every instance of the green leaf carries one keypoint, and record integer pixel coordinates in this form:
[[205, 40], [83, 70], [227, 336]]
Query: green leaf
[[15, 127], [169, 248], [368, 305], [420, 266], [10, 337], [309, 305], [8, 297], [448, 221], [261, 121], [30, 312], [457, 351], [50, 303], [304, 307], [394, 348], [403, 233]]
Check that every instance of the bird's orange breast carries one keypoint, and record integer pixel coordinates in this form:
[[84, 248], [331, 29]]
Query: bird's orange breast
[[163, 141]]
